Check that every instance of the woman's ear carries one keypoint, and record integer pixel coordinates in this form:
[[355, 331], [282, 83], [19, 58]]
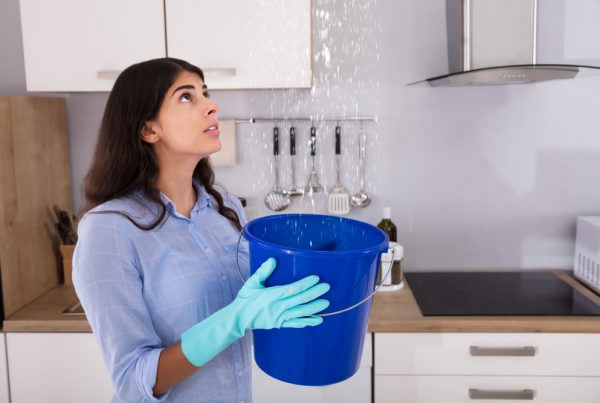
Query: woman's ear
[[149, 135]]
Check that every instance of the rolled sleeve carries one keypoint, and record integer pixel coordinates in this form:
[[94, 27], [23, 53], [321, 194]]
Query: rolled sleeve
[[148, 365], [109, 286]]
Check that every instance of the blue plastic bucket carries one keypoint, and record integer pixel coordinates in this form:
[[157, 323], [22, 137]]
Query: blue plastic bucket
[[344, 253]]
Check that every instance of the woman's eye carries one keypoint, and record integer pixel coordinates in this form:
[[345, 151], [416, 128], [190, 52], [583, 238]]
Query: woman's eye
[[185, 97], [206, 94]]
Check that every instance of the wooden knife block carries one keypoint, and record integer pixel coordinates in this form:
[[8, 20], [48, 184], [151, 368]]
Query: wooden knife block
[[66, 252]]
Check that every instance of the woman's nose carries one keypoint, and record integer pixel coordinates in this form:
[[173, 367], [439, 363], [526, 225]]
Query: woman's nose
[[212, 108]]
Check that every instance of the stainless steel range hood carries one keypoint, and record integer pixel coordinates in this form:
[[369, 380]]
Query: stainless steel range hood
[[493, 42]]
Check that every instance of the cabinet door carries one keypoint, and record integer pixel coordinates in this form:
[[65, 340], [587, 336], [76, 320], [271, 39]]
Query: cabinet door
[[3, 372], [56, 368], [243, 44], [470, 389], [73, 45], [356, 389]]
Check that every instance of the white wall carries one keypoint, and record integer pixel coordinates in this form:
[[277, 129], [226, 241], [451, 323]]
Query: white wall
[[477, 178]]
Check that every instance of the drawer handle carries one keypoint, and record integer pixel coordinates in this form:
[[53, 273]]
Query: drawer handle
[[483, 394], [527, 351], [219, 72], [108, 74]]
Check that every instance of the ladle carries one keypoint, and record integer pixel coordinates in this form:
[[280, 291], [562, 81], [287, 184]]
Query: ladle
[[361, 199], [277, 199]]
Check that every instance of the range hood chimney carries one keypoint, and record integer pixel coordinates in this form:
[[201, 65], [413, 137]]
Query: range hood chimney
[[494, 42]]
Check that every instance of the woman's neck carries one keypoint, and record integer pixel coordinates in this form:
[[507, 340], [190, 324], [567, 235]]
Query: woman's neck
[[181, 191]]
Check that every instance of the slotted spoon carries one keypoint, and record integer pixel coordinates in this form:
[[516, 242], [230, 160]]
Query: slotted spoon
[[338, 200]]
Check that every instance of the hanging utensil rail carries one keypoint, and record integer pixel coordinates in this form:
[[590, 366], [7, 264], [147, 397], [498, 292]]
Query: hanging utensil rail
[[307, 119]]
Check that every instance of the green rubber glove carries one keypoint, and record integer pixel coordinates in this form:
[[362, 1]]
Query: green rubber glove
[[256, 307]]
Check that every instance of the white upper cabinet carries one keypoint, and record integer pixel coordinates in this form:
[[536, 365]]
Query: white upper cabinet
[[74, 45], [243, 43]]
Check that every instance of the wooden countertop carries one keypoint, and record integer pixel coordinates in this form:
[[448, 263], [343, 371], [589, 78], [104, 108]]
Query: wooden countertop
[[392, 312], [398, 312], [45, 314]]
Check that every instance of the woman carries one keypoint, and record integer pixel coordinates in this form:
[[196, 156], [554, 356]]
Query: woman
[[155, 264]]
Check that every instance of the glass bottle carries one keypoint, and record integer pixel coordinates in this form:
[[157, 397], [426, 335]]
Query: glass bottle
[[387, 225]]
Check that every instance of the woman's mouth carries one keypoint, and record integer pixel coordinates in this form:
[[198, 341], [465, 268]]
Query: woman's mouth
[[213, 130]]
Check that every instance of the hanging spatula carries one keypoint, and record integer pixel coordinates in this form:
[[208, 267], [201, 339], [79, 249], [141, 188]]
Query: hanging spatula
[[339, 200]]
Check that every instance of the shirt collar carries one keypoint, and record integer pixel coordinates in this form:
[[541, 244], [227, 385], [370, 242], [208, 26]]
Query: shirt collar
[[202, 201]]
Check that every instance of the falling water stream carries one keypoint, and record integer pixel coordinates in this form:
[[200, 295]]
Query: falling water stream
[[345, 52]]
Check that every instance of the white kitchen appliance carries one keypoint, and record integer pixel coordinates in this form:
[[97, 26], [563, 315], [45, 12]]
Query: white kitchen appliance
[[587, 251]]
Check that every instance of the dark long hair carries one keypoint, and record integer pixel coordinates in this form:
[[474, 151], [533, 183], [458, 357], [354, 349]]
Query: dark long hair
[[123, 162]]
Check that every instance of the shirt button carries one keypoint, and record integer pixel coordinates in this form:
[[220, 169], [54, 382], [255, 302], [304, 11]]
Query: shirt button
[[224, 277], [240, 373]]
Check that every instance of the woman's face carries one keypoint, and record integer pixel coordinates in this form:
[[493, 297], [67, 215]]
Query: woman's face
[[186, 127]]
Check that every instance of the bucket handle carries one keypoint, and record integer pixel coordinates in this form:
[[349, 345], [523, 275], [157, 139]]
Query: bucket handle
[[237, 260]]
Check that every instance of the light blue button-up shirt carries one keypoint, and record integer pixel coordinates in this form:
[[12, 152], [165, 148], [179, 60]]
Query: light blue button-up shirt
[[141, 289]]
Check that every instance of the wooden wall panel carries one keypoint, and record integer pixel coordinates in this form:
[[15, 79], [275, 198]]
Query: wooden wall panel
[[40, 178], [9, 256]]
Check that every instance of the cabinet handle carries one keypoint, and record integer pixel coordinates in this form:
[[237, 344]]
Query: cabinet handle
[[219, 72], [482, 394], [527, 351], [108, 74], [209, 72]]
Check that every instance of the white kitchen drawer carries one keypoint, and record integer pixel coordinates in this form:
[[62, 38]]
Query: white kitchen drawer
[[356, 389], [455, 389], [449, 353]]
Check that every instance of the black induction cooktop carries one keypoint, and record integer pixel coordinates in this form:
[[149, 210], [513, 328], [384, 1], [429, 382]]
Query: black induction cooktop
[[498, 293]]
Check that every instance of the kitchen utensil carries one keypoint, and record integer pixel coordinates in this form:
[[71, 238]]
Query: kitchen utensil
[[63, 233], [277, 199], [294, 190], [313, 184], [65, 226], [361, 199], [339, 200]]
